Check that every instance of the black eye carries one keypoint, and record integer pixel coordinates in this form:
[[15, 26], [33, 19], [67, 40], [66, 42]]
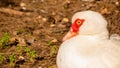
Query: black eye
[[79, 22]]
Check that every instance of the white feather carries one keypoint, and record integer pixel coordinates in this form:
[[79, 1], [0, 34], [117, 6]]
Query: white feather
[[91, 48]]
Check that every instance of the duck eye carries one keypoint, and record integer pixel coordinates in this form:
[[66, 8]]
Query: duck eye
[[79, 22]]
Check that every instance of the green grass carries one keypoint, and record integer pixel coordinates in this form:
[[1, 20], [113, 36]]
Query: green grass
[[53, 50], [32, 55], [12, 59], [2, 58], [27, 49], [51, 67], [20, 31], [4, 40], [19, 48], [49, 43]]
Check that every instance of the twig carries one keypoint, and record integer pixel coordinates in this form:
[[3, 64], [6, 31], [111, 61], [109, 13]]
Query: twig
[[11, 11]]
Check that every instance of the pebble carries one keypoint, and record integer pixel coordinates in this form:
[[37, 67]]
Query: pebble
[[39, 17], [105, 11], [28, 13], [53, 13], [24, 8], [44, 19], [83, 5], [68, 1], [43, 11], [54, 40], [52, 25], [21, 58], [22, 4], [40, 67], [65, 20], [117, 3]]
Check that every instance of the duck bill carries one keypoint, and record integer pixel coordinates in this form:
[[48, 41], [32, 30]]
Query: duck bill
[[69, 35]]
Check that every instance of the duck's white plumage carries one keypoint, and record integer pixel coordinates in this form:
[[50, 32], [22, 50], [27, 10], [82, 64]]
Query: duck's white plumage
[[91, 48]]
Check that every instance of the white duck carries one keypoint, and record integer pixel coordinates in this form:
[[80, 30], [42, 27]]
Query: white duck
[[87, 44]]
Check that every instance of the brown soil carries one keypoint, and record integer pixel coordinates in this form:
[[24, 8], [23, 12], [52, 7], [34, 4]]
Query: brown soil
[[39, 25]]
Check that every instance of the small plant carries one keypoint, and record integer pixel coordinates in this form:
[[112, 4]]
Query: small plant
[[51, 67], [2, 58], [29, 34], [53, 50], [12, 59], [1, 42], [50, 43], [66, 6], [27, 49], [19, 48], [20, 31], [4, 40], [32, 54]]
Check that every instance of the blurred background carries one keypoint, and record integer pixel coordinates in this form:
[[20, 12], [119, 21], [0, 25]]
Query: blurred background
[[31, 31]]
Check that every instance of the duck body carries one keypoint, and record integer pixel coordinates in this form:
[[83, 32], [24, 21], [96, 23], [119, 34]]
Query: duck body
[[88, 52], [90, 47]]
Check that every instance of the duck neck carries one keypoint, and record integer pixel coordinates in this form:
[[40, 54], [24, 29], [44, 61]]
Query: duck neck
[[102, 35]]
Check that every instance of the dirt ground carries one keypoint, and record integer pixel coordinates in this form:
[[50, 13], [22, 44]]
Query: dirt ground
[[33, 29]]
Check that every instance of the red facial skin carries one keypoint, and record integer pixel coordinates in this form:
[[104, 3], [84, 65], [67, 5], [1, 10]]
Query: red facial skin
[[74, 30], [76, 25]]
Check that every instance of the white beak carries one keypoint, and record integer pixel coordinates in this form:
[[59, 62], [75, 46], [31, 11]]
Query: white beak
[[69, 35]]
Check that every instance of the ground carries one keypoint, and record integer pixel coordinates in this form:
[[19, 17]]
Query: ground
[[31, 31]]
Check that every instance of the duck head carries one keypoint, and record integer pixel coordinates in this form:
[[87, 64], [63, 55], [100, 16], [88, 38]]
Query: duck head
[[86, 23]]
